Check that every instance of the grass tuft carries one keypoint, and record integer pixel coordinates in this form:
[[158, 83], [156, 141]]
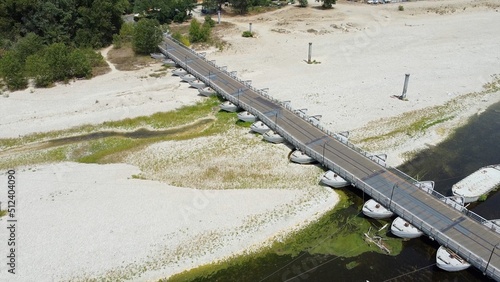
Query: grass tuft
[[125, 59]]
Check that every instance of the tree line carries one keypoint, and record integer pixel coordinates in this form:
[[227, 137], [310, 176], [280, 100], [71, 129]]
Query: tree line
[[31, 58], [79, 23], [54, 40]]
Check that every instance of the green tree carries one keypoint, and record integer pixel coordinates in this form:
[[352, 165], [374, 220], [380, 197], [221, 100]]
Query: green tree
[[127, 32], [260, 3], [241, 6], [147, 36], [209, 21], [124, 6], [125, 36], [199, 32], [213, 5], [303, 3], [28, 26], [53, 20], [38, 68], [5, 44], [12, 71], [181, 38], [99, 21], [28, 45], [117, 41], [13, 14], [129, 6], [46, 68], [56, 56], [73, 22], [79, 65], [95, 58], [327, 4], [165, 11], [186, 7], [195, 31], [206, 30]]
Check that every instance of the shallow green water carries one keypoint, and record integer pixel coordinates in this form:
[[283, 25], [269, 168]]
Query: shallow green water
[[471, 147]]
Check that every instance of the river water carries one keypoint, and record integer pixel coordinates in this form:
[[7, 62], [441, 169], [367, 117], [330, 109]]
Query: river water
[[475, 145]]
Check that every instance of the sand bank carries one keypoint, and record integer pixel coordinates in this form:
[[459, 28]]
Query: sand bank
[[78, 221]]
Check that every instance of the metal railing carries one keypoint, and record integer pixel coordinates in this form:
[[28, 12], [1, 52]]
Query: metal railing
[[412, 218]]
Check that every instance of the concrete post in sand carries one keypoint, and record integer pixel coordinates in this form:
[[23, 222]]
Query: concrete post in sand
[[218, 16], [309, 54], [405, 87], [250, 27]]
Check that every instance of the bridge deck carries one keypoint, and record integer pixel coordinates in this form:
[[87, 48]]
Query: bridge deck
[[450, 227]]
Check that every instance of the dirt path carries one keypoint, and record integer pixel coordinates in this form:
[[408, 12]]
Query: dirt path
[[104, 53]]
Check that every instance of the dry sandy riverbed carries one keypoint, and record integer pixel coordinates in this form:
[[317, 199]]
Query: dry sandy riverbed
[[79, 221]]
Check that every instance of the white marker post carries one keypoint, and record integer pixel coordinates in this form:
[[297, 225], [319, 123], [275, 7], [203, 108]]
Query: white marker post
[[309, 55], [405, 87]]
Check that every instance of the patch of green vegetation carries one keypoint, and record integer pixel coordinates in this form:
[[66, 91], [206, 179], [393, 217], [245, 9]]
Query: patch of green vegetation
[[138, 176], [222, 122], [483, 197], [178, 117], [112, 149], [102, 148], [425, 123], [412, 129], [181, 33], [416, 127], [38, 137], [183, 39], [199, 32], [125, 59], [254, 10], [245, 124], [494, 85], [351, 265], [334, 234], [158, 74], [337, 234], [161, 120], [313, 62], [207, 271], [34, 157], [418, 121], [375, 138], [247, 33]]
